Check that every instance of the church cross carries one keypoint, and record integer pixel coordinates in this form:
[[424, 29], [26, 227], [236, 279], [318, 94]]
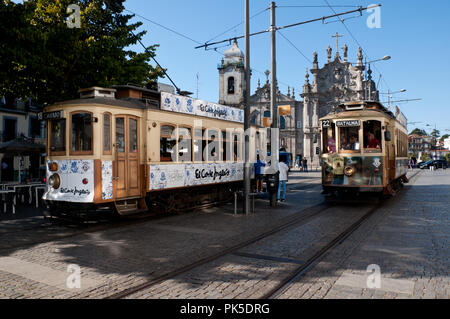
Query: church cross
[[337, 36]]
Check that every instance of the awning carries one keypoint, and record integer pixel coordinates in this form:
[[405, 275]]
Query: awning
[[21, 145]]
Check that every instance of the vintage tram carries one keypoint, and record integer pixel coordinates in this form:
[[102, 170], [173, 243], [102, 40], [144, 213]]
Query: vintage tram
[[364, 149], [129, 149]]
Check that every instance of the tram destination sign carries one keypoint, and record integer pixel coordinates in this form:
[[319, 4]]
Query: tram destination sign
[[347, 123], [54, 115]]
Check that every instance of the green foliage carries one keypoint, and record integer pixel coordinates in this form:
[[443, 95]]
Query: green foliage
[[419, 132], [447, 157], [425, 157], [41, 57], [443, 137], [435, 133]]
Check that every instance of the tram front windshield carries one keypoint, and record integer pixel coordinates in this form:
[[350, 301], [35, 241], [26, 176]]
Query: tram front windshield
[[329, 139], [349, 138]]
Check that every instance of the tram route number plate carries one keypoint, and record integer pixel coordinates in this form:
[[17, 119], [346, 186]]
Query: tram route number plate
[[55, 115], [347, 123], [326, 123]]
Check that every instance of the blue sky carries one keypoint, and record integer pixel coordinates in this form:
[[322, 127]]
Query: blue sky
[[413, 32]]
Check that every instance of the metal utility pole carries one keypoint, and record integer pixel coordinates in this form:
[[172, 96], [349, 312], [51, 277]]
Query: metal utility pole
[[274, 134], [247, 167]]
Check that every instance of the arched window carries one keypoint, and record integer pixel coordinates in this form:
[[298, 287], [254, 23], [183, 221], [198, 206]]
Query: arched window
[[231, 85], [282, 123], [253, 117]]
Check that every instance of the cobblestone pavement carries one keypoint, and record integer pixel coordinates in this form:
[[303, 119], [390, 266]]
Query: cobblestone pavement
[[407, 238], [122, 257]]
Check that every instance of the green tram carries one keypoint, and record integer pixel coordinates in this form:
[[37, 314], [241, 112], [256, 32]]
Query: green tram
[[364, 149]]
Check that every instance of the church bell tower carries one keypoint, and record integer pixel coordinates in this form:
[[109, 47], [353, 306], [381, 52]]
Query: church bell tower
[[232, 77]]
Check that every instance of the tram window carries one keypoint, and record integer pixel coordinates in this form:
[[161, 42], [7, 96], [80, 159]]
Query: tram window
[[237, 146], [58, 135], [82, 132], [184, 144], [372, 136], [167, 143], [198, 144], [349, 138], [133, 147], [224, 145], [106, 133], [120, 134], [329, 139], [213, 149]]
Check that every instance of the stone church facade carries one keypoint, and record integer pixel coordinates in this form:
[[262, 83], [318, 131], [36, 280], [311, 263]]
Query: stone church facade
[[336, 82]]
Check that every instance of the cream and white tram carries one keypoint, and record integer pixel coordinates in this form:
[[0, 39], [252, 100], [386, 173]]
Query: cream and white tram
[[127, 149], [364, 148]]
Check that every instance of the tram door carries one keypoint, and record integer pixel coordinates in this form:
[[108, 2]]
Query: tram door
[[127, 156]]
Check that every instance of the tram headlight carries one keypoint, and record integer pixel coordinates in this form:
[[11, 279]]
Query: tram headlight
[[54, 181], [349, 170], [53, 167]]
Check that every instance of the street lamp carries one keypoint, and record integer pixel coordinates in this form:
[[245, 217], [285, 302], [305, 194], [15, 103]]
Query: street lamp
[[389, 95], [369, 71]]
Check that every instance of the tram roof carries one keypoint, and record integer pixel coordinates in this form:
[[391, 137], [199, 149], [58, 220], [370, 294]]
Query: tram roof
[[124, 102], [359, 108]]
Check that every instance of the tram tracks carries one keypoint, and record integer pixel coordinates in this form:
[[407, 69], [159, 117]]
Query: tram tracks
[[285, 283], [70, 227], [298, 272], [305, 216]]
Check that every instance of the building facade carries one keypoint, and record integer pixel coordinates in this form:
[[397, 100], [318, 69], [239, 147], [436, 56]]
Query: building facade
[[336, 82], [22, 141], [231, 92]]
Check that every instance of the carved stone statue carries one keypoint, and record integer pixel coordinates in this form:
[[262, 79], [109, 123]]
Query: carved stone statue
[[360, 56], [315, 57], [345, 49], [329, 53]]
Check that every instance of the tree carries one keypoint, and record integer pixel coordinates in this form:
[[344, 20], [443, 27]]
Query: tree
[[443, 137], [41, 57], [419, 132], [435, 133]]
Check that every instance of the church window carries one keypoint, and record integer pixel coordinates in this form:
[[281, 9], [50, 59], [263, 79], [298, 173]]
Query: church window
[[231, 85], [282, 123]]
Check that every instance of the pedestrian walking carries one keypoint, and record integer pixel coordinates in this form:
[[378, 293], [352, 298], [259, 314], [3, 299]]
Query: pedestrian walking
[[284, 171], [305, 165], [259, 174]]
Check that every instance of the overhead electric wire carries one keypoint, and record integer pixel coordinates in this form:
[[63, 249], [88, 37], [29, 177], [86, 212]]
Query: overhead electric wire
[[164, 27], [336, 6], [357, 42], [188, 38], [294, 46], [237, 25], [360, 9]]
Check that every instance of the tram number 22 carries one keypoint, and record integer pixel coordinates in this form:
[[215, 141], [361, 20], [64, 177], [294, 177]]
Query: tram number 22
[[326, 123]]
